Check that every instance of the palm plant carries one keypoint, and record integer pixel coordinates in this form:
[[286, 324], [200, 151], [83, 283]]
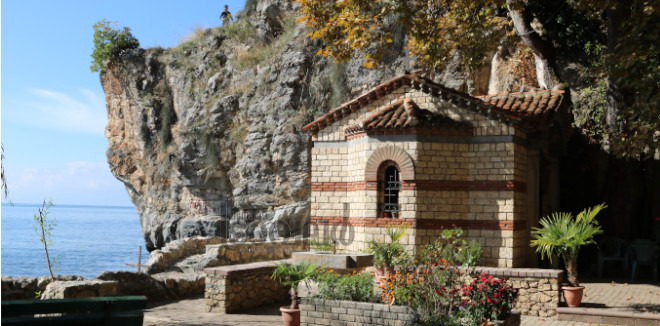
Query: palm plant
[[389, 254], [563, 236], [291, 275]]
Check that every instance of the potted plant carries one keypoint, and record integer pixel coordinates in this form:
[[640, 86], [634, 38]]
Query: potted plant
[[291, 275], [389, 254], [563, 236]]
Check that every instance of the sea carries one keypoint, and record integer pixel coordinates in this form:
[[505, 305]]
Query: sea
[[86, 240]]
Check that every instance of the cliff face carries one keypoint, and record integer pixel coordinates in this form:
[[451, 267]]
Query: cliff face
[[207, 136]]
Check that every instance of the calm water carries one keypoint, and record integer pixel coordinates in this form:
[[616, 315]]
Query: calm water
[[86, 240]]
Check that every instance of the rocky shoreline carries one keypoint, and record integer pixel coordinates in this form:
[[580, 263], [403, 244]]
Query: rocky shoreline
[[173, 272]]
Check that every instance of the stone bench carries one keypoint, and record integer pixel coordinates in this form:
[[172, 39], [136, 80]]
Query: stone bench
[[235, 288]]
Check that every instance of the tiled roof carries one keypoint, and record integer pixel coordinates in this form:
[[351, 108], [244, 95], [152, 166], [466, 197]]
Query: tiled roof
[[523, 110], [529, 106], [404, 115]]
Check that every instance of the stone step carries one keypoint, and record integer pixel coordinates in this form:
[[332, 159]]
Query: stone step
[[608, 316]]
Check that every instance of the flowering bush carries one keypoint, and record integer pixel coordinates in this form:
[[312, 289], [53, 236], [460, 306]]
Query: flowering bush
[[487, 297], [433, 289], [353, 287]]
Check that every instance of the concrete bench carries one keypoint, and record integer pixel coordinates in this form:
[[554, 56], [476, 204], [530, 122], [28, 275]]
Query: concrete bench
[[235, 288]]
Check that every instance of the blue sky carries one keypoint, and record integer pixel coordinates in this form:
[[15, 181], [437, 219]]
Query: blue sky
[[53, 107]]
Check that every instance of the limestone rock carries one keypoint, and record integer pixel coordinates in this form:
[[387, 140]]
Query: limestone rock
[[80, 289], [25, 287], [206, 136], [129, 283]]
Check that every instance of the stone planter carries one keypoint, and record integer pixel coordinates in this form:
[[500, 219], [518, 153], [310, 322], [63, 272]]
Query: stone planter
[[315, 312]]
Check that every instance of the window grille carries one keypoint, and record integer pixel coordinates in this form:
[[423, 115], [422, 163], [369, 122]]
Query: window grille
[[391, 188]]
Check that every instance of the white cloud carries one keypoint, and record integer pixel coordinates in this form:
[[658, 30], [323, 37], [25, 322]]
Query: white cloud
[[82, 113], [79, 182]]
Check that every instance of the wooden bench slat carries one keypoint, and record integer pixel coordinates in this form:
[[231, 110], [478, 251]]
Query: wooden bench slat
[[129, 319], [16, 308]]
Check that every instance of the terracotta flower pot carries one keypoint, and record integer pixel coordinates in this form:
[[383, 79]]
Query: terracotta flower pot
[[573, 295], [290, 317]]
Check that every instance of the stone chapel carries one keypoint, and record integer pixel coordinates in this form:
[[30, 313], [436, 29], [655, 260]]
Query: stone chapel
[[413, 151]]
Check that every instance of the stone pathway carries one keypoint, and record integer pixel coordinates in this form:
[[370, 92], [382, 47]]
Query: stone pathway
[[622, 297], [191, 312]]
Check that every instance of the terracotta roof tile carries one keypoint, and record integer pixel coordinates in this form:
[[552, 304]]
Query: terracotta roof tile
[[525, 110], [404, 116]]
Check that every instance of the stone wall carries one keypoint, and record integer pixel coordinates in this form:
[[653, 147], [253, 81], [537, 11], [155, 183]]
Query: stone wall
[[538, 288], [319, 312], [235, 288], [195, 254], [232, 253]]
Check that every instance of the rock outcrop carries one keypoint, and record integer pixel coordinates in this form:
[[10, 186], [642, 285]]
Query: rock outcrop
[[206, 136]]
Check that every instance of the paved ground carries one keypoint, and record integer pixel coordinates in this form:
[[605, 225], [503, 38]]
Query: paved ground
[[191, 312], [611, 296]]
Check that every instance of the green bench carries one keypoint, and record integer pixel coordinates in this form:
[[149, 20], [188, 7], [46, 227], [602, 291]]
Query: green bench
[[75, 311]]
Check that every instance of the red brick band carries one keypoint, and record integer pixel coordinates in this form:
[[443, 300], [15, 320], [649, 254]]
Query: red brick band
[[441, 185], [421, 223]]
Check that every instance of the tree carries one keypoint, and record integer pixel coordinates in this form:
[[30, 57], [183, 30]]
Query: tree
[[109, 42], [623, 116], [43, 225], [2, 169]]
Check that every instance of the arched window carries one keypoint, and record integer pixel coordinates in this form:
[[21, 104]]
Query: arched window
[[390, 187]]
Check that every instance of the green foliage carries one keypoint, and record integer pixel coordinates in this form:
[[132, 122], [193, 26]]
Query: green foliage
[[450, 247], [291, 275], [239, 31], [322, 245], [562, 235], [237, 132], [262, 53], [435, 29], [109, 43], [165, 113], [145, 135], [436, 32], [44, 226], [353, 287], [388, 254], [635, 69]]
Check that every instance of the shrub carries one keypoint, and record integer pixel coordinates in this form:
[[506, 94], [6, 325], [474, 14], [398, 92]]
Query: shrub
[[353, 287], [109, 43], [322, 245], [488, 298], [240, 31]]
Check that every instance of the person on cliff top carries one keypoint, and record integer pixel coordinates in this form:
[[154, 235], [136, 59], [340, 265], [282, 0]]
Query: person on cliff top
[[226, 16]]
